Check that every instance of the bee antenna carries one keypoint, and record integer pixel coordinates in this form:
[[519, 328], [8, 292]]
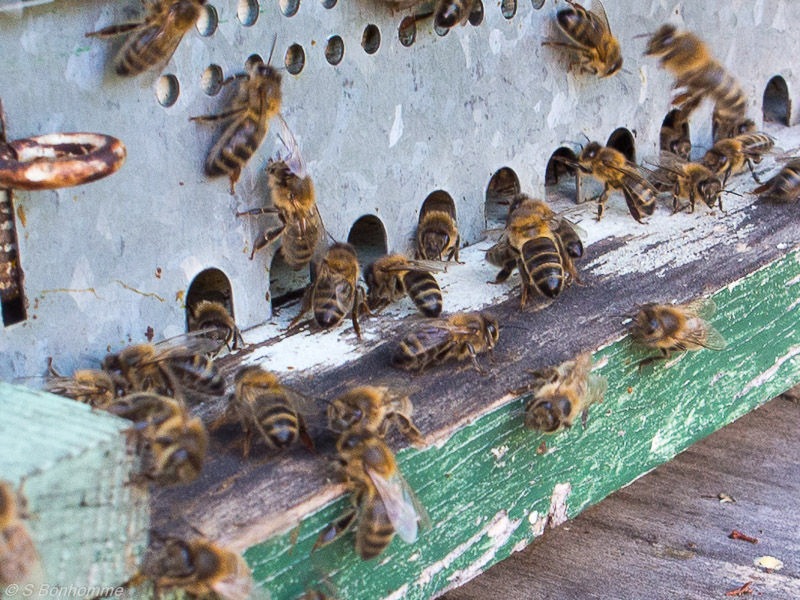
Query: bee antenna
[[642, 35], [732, 193], [274, 41], [583, 133], [333, 239]]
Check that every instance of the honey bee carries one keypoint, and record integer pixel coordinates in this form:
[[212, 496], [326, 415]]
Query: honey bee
[[597, 49], [375, 409], [675, 135], [261, 404], [729, 156], [449, 13], [198, 567], [783, 187], [153, 41], [170, 367], [293, 199], [173, 443], [695, 69], [534, 247], [562, 393], [335, 290], [19, 559], [676, 328], [616, 172], [258, 100], [437, 234], [460, 336], [690, 181], [391, 277], [385, 503], [94, 387], [213, 318]]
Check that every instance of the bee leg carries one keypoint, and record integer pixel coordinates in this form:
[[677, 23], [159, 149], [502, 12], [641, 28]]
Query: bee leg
[[303, 309], [454, 251], [248, 439], [234, 177], [752, 171], [504, 273], [601, 202], [474, 357], [407, 427], [222, 419], [223, 115], [115, 30], [256, 212], [335, 530], [584, 418], [664, 356], [578, 184], [524, 296], [267, 239], [51, 369], [304, 435], [238, 340], [692, 201]]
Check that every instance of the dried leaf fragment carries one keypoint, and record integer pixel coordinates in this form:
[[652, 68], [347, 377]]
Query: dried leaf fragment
[[738, 535], [741, 591]]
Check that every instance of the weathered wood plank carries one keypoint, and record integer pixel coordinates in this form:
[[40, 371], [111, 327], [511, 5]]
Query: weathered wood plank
[[487, 489], [89, 526], [669, 529]]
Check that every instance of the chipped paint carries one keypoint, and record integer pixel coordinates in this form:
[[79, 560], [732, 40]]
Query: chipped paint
[[769, 373], [499, 452], [558, 504], [396, 131]]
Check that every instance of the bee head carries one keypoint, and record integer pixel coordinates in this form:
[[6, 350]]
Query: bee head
[[342, 417], [681, 147], [207, 563], [186, 12], [662, 40], [613, 69], [549, 415], [710, 190], [492, 333], [590, 151]]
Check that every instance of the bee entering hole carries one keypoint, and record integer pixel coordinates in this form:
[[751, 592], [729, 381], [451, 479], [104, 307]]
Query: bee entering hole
[[407, 32], [476, 16], [537, 4], [559, 179], [289, 8], [252, 60], [211, 285], [285, 284], [295, 59], [622, 140], [12, 298], [371, 39], [167, 90], [247, 11], [368, 237], [211, 80], [208, 21], [438, 200], [674, 136], [508, 8], [503, 186], [777, 105], [334, 51]]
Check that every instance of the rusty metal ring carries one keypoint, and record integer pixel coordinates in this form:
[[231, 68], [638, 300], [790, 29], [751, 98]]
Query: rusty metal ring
[[59, 160]]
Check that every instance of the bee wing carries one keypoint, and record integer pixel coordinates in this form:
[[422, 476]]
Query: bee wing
[[559, 219], [425, 266], [596, 389], [294, 160], [67, 386], [400, 507], [186, 345], [600, 12], [713, 339], [630, 169], [237, 586], [702, 307], [302, 403], [12, 5]]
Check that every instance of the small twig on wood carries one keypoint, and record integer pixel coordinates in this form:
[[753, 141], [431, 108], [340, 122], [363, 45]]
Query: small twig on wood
[[738, 535], [741, 591]]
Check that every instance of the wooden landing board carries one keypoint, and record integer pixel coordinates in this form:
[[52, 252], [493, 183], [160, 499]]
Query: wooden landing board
[[485, 486], [666, 536]]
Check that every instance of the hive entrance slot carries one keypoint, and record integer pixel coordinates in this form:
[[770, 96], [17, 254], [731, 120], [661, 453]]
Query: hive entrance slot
[[12, 297], [285, 284], [503, 186], [212, 285], [559, 178], [777, 106], [622, 140], [368, 237]]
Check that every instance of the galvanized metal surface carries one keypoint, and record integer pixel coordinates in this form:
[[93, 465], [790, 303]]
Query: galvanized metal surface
[[380, 131]]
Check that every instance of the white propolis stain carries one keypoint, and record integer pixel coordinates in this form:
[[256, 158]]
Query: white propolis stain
[[499, 452], [643, 89], [758, 12], [396, 131], [769, 373], [464, 39], [779, 22]]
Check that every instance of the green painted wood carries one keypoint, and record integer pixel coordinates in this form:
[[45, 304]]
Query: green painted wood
[[89, 526], [489, 491]]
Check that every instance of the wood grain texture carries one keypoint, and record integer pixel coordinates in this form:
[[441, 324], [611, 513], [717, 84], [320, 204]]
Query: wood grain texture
[[668, 533], [89, 526]]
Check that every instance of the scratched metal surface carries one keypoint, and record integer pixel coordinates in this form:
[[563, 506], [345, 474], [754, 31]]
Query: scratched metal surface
[[380, 132]]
